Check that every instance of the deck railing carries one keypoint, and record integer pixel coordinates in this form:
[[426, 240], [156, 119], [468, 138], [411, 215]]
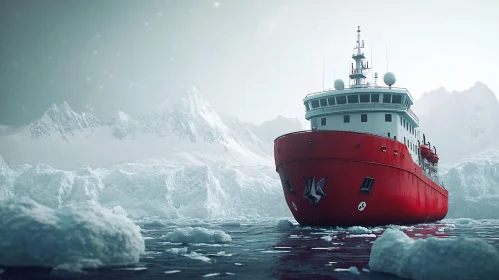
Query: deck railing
[[361, 87], [355, 106]]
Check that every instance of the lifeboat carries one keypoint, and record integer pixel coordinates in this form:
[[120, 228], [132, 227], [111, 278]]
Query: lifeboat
[[424, 151], [435, 159]]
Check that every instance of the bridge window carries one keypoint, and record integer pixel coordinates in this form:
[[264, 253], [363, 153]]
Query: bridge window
[[404, 140], [388, 117], [401, 120], [315, 104], [364, 98], [387, 98], [363, 118], [323, 102], [330, 101], [353, 98], [323, 121], [395, 137], [397, 99], [341, 100], [306, 107], [375, 98], [346, 118]]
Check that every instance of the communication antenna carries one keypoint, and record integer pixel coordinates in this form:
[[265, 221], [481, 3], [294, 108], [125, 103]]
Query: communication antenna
[[323, 70], [334, 72], [386, 57], [372, 73]]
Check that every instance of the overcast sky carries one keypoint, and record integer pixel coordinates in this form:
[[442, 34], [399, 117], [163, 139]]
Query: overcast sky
[[254, 59]]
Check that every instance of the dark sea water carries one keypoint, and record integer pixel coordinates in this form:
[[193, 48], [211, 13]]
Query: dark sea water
[[262, 250]]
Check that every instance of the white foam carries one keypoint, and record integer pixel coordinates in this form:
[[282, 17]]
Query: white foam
[[76, 236]]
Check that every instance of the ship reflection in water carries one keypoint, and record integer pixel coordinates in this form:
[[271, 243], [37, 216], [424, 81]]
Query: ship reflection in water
[[336, 253]]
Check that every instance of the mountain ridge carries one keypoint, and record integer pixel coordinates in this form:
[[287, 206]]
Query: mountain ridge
[[460, 123], [185, 128]]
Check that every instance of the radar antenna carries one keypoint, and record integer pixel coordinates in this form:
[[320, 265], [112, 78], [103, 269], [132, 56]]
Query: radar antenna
[[357, 73]]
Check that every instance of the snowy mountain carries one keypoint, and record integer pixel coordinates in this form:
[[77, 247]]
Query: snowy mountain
[[185, 129], [63, 121], [460, 124], [123, 126]]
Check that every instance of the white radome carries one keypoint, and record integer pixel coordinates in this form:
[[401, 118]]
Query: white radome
[[339, 84], [389, 79]]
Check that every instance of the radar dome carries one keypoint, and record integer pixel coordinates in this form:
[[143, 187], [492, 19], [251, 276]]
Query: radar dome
[[389, 79], [339, 84]]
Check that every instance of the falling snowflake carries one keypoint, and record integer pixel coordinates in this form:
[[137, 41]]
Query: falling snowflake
[[146, 23], [160, 14], [216, 4]]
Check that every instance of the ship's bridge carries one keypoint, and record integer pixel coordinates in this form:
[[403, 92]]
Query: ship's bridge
[[360, 99]]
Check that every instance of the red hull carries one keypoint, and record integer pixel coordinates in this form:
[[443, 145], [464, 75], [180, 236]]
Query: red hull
[[395, 192]]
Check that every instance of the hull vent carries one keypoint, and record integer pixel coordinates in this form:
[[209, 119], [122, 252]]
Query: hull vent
[[367, 185]]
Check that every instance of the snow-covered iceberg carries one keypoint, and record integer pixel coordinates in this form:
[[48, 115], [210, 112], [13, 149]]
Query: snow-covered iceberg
[[76, 236], [434, 258]]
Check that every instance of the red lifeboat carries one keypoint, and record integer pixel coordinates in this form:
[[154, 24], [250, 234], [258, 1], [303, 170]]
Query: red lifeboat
[[424, 151], [435, 159]]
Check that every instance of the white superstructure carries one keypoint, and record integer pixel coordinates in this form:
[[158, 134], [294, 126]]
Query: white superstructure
[[365, 107]]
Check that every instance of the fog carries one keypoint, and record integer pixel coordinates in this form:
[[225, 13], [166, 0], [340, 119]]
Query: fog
[[252, 59]]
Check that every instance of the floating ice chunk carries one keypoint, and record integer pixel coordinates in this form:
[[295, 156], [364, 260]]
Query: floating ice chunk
[[177, 250], [284, 224], [172, 271], [351, 269], [76, 236], [197, 256], [328, 237], [197, 235], [358, 229], [211, 274], [372, 235], [434, 258]]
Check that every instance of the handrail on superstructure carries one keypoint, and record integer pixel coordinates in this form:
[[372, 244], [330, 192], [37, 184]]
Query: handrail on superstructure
[[413, 115], [328, 109], [361, 86]]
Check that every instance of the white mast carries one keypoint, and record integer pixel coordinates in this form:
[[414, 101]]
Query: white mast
[[357, 73]]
